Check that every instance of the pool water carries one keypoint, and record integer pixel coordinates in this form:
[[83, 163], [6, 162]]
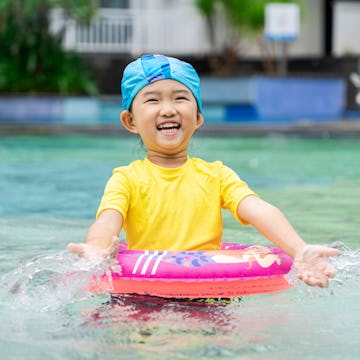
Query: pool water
[[50, 188]]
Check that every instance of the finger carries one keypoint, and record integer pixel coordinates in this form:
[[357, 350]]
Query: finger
[[316, 251], [310, 280], [326, 251], [75, 248], [322, 283], [330, 271]]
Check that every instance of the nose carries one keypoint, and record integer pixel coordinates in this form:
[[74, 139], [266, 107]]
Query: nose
[[167, 109]]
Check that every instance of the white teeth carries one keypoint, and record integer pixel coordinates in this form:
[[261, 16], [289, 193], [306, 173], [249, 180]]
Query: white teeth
[[168, 126]]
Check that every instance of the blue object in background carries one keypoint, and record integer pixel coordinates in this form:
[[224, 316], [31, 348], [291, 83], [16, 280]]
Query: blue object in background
[[241, 113], [80, 110], [289, 99], [271, 99], [31, 109]]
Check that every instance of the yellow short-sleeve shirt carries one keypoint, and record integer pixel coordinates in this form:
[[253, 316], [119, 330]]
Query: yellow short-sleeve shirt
[[174, 208]]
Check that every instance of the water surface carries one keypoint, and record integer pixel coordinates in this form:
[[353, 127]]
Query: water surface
[[50, 188]]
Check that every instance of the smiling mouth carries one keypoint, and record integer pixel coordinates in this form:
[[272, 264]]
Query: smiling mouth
[[168, 127]]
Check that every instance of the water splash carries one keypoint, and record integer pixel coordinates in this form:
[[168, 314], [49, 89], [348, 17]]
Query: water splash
[[346, 281], [347, 265], [48, 282], [262, 326], [51, 281]]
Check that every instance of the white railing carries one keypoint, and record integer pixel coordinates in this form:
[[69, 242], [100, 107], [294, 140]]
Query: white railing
[[132, 31], [115, 31], [106, 34]]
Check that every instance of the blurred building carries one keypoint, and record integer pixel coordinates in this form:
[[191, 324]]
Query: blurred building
[[320, 62], [123, 29], [329, 27]]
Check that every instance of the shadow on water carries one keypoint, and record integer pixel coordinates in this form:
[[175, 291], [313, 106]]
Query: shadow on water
[[48, 311]]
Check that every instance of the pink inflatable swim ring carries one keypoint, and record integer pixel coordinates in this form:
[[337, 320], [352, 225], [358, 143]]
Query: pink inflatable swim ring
[[233, 271]]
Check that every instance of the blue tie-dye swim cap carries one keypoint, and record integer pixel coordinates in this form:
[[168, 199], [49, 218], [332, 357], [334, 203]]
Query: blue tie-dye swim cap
[[150, 68]]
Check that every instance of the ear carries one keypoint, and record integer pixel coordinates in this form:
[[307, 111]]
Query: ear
[[199, 120], [127, 120]]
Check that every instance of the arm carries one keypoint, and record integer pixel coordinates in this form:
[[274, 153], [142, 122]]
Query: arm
[[102, 237], [309, 260]]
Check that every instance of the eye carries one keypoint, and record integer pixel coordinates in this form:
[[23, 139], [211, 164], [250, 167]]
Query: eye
[[151, 100], [180, 98]]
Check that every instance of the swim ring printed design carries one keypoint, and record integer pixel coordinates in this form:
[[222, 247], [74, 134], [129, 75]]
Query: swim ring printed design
[[233, 271]]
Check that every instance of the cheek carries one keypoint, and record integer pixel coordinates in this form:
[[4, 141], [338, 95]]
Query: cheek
[[146, 114], [191, 112]]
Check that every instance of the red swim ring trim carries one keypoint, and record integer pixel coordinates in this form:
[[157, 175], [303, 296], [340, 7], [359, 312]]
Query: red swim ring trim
[[186, 289]]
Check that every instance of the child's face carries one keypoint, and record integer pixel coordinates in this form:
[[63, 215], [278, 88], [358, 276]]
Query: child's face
[[165, 115]]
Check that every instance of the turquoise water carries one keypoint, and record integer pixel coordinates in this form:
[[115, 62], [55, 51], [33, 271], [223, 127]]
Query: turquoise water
[[49, 191]]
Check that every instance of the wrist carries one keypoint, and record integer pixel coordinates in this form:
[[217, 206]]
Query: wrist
[[299, 250]]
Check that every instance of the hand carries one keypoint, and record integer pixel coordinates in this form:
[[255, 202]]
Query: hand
[[312, 265], [91, 251]]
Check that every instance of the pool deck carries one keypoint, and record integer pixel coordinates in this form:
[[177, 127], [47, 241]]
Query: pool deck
[[341, 128]]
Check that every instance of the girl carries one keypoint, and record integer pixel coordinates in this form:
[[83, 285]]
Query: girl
[[169, 201]]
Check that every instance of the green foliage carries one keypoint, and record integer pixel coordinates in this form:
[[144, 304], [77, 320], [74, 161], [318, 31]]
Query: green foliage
[[32, 58], [245, 15], [245, 18], [207, 7]]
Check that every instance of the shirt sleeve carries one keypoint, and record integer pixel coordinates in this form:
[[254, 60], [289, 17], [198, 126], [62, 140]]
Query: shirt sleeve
[[233, 191], [116, 194]]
